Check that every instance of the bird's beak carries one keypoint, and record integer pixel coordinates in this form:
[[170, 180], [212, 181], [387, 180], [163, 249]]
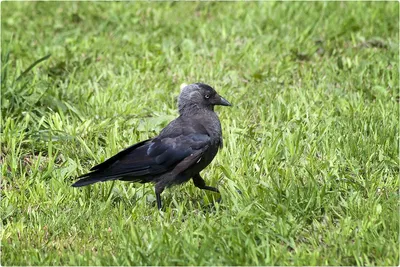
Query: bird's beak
[[224, 102]]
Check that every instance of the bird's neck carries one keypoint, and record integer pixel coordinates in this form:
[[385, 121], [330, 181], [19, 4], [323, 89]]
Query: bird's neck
[[194, 109], [206, 117]]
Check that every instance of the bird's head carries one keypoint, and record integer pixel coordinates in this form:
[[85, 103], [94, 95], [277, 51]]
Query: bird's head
[[200, 95]]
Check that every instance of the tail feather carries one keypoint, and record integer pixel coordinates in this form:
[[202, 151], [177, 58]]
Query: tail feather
[[89, 180], [100, 176]]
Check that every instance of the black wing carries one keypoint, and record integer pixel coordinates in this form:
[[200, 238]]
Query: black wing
[[117, 156], [148, 158]]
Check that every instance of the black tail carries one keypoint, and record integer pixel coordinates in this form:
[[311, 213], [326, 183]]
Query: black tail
[[86, 181], [91, 178]]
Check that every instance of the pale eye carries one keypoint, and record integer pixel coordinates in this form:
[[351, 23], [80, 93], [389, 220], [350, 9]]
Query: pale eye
[[207, 96]]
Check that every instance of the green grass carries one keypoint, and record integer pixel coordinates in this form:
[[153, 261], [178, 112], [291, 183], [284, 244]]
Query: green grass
[[312, 140]]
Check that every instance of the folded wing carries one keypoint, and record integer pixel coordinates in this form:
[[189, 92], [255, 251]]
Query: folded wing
[[146, 159]]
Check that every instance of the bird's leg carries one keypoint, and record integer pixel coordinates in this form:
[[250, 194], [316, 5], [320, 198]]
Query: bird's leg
[[159, 189], [200, 183], [158, 197]]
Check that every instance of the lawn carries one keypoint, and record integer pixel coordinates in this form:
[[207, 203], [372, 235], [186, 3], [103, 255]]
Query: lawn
[[312, 139]]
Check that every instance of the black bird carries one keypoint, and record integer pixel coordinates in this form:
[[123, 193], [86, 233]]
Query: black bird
[[183, 148]]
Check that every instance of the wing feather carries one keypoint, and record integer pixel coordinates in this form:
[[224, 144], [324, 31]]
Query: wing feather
[[149, 158]]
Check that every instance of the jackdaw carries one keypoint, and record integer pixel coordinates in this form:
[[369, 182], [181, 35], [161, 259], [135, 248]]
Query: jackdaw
[[180, 152]]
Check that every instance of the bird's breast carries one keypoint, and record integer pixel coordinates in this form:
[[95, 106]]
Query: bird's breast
[[205, 159], [213, 127]]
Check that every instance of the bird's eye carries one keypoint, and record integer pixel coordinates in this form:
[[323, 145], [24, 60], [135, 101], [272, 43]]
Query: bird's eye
[[207, 96]]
